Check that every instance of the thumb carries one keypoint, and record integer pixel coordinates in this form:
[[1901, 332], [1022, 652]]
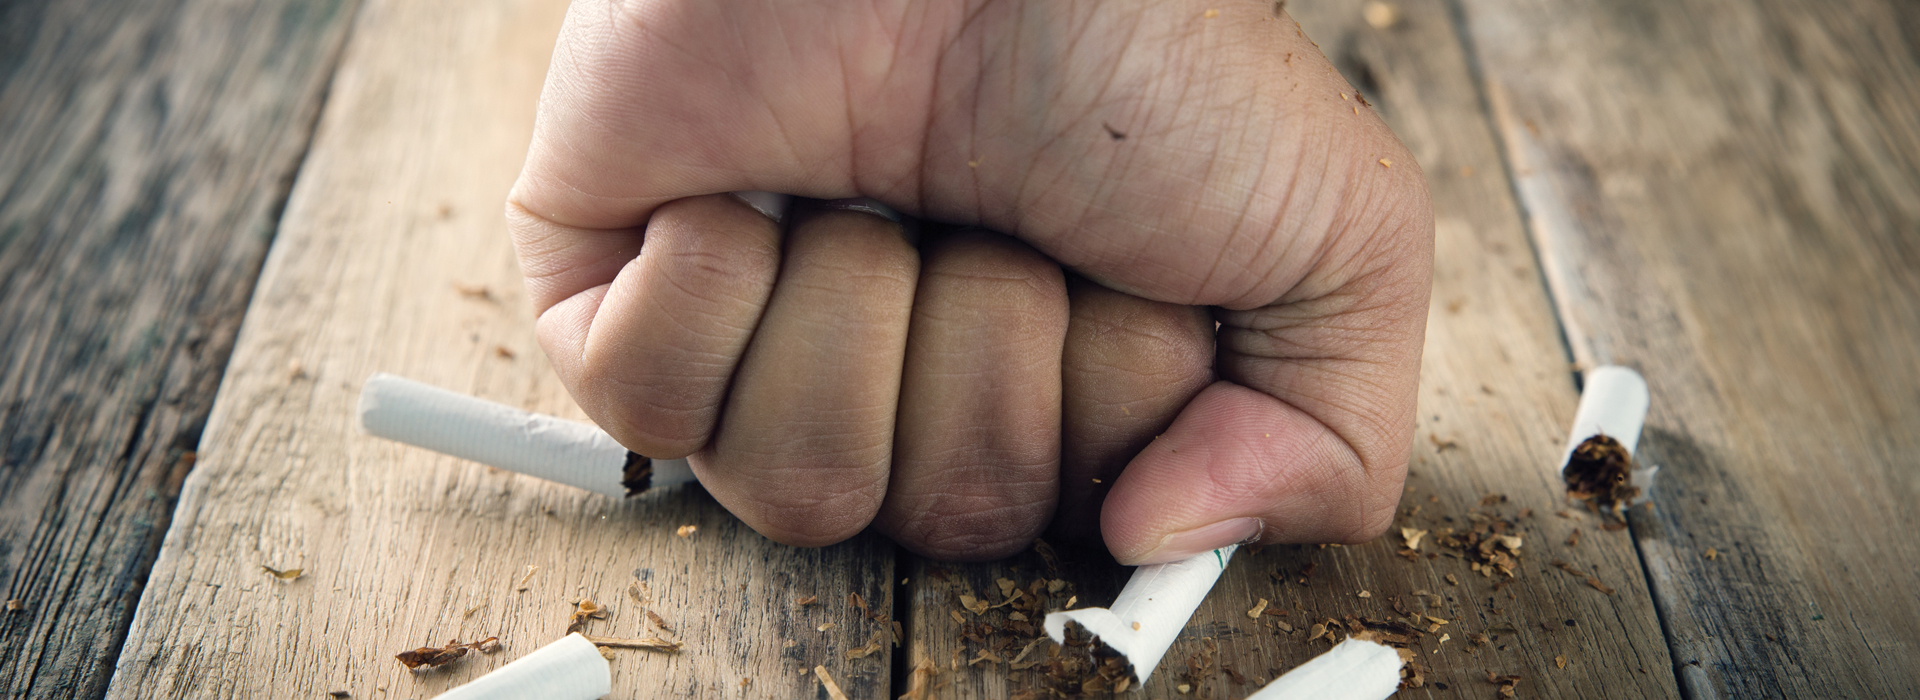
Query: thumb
[[1307, 437]]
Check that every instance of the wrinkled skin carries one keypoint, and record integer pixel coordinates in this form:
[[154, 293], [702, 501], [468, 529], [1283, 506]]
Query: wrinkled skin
[[1138, 170]]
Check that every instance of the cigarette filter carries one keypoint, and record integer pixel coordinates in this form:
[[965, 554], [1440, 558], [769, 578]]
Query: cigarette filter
[[1152, 608], [1355, 669], [569, 669], [1614, 403], [575, 454]]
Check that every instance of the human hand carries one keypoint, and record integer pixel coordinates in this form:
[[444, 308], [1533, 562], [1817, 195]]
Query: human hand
[[1205, 162]]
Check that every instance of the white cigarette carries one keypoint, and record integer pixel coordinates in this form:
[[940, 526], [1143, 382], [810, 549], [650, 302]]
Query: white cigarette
[[569, 669], [1151, 610], [1355, 669], [575, 454], [1614, 403]]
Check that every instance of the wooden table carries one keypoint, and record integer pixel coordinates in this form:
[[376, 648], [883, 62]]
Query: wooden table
[[217, 217]]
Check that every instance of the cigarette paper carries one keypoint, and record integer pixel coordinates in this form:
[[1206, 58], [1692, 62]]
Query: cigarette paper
[[1152, 608], [575, 454], [1614, 403], [569, 669], [1355, 669]]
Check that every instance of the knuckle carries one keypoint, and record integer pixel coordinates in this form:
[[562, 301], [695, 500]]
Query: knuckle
[[816, 503]]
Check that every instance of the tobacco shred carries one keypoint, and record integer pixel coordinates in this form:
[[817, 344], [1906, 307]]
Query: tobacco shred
[[647, 643], [286, 575], [826, 680], [1600, 471], [637, 475], [1591, 579], [435, 657]]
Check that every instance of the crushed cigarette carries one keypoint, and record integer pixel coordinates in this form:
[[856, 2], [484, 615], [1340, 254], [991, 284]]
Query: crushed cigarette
[[1356, 669], [1164, 594], [568, 669], [541, 446], [1598, 462]]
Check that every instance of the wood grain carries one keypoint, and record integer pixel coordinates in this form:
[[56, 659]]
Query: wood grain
[[393, 256], [148, 148], [1496, 399], [1727, 197]]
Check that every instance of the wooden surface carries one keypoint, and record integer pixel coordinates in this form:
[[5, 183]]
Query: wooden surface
[[396, 210], [1495, 391], [1723, 194], [145, 151], [1727, 197]]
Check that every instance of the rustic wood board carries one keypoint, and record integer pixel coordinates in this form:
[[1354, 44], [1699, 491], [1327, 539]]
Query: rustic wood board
[[1726, 194], [396, 211], [147, 149], [1496, 399]]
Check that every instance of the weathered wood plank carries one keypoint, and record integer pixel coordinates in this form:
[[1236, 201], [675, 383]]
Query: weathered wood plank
[[396, 209], [1496, 400], [1727, 196], [147, 150]]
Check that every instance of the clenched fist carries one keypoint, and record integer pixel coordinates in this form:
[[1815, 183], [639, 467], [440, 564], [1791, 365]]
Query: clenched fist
[[1176, 296]]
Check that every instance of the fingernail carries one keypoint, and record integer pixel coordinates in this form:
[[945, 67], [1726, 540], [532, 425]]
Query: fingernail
[[772, 204], [865, 205], [1187, 544]]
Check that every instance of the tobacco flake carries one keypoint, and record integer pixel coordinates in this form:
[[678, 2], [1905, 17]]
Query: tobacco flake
[[659, 621], [287, 575], [582, 612]]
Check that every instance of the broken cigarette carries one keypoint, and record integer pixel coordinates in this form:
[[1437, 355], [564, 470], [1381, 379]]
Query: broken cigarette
[[569, 669], [575, 454], [1151, 610], [1355, 669], [1613, 409]]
